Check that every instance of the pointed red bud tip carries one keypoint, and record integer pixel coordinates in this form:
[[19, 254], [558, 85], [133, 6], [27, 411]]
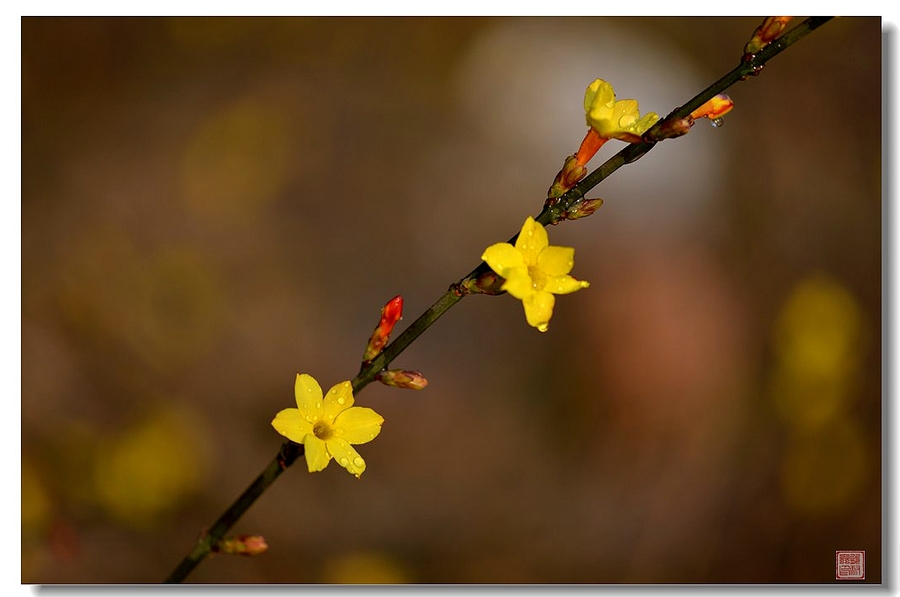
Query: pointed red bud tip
[[391, 313], [243, 545], [397, 378], [717, 107], [770, 28]]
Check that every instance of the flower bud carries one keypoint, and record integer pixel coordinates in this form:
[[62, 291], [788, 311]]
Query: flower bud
[[242, 545], [487, 283], [770, 28], [572, 171], [391, 313], [582, 209], [716, 107], [399, 378], [669, 129]]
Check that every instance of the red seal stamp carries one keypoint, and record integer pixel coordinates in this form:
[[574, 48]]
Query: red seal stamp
[[850, 565]]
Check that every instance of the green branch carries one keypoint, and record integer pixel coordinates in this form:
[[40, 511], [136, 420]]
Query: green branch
[[750, 66]]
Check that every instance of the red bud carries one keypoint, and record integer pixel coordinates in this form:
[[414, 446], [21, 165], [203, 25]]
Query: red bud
[[397, 378], [242, 545], [391, 313]]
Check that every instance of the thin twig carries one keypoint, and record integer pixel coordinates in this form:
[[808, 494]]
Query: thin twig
[[749, 67]]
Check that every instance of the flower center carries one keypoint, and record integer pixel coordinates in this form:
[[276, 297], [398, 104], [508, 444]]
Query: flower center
[[323, 430], [538, 278]]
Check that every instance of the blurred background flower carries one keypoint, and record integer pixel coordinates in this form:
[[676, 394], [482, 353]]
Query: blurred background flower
[[212, 205]]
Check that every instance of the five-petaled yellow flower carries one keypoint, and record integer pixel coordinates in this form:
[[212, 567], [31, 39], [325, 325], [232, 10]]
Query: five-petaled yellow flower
[[534, 271], [328, 426], [613, 119]]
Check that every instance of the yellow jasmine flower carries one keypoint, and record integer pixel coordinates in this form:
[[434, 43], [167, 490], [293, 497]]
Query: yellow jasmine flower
[[613, 119], [534, 271], [327, 427]]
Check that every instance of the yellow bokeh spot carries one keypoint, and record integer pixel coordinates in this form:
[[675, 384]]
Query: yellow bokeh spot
[[818, 330], [238, 160], [817, 343], [74, 450], [823, 471], [808, 403], [365, 568], [37, 506], [149, 469]]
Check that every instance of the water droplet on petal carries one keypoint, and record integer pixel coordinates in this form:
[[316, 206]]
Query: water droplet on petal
[[318, 405], [717, 122], [344, 462], [341, 401], [358, 462]]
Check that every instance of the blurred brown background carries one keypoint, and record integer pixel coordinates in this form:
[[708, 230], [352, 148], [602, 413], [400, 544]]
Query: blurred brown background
[[210, 206]]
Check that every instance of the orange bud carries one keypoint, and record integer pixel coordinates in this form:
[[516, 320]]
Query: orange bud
[[391, 313], [242, 545], [715, 108], [397, 378], [770, 28]]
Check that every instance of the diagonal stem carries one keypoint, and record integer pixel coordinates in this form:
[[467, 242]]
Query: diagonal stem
[[750, 66]]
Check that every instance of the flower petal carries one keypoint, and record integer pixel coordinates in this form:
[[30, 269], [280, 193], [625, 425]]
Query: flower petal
[[292, 425], [565, 284], [531, 241], [519, 284], [625, 114], [338, 398], [503, 257], [539, 309], [308, 394], [317, 455], [556, 261], [646, 121], [346, 456], [598, 99], [358, 425], [613, 119]]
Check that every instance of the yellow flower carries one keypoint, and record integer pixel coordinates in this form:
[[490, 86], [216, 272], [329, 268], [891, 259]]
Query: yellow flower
[[613, 119], [534, 271], [327, 427]]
